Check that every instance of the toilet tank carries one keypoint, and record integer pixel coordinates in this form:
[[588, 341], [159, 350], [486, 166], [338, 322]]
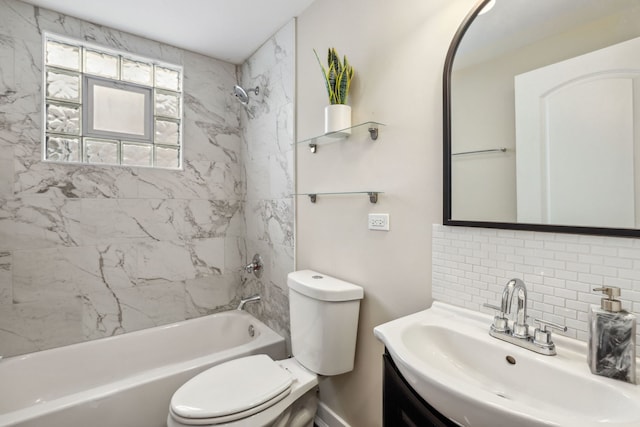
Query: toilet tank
[[324, 321]]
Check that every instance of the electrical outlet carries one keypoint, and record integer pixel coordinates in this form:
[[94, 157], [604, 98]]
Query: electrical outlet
[[378, 222]]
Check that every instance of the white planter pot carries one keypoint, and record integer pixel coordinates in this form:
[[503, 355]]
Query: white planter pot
[[337, 120]]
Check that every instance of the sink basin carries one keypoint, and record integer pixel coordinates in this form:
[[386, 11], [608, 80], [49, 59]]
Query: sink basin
[[446, 354]]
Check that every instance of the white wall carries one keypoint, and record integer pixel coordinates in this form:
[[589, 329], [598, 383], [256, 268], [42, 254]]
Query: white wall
[[398, 53]]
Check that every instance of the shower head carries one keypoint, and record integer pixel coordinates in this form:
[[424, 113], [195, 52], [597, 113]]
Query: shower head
[[242, 94]]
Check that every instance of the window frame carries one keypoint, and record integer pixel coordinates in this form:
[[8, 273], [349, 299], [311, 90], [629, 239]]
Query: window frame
[[87, 132], [88, 129]]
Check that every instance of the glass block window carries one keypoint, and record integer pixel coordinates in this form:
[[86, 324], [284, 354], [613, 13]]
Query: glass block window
[[108, 107]]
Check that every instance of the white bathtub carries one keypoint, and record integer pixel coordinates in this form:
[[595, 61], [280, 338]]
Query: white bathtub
[[126, 380]]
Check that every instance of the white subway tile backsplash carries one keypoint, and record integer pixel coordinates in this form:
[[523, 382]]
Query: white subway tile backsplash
[[540, 289], [577, 267], [565, 313], [632, 253], [566, 256], [533, 244], [535, 298], [555, 264], [591, 279], [555, 301], [603, 270], [591, 259], [565, 294], [471, 266], [578, 248], [567, 275], [629, 274]]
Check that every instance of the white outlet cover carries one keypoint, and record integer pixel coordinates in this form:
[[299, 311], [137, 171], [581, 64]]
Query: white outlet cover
[[378, 221]]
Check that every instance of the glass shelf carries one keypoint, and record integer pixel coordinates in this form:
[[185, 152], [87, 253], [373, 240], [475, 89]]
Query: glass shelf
[[371, 127], [373, 195]]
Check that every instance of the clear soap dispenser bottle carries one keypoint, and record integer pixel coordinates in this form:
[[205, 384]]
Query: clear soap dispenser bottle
[[612, 338]]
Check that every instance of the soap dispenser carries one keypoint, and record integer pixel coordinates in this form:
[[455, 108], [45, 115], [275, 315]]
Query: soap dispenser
[[612, 338]]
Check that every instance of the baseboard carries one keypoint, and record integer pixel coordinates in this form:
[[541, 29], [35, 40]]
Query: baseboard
[[325, 417]]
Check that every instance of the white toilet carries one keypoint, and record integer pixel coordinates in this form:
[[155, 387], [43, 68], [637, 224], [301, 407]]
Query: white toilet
[[256, 391]]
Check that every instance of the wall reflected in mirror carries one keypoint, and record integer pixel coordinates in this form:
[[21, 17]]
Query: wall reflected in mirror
[[542, 119]]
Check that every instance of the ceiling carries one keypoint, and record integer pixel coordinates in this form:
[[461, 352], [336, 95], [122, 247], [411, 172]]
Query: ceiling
[[230, 30], [512, 24]]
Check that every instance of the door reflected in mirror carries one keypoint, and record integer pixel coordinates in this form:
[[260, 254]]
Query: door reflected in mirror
[[540, 118]]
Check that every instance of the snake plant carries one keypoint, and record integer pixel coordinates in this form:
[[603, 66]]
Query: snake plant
[[337, 75]]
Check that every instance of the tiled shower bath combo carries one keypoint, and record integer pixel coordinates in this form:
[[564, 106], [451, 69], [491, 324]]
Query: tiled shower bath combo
[[91, 251]]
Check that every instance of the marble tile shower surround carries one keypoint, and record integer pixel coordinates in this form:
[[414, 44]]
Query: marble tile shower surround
[[267, 150], [93, 251], [472, 265]]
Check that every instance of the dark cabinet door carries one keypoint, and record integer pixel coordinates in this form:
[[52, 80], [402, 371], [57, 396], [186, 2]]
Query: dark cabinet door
[[403, 407]]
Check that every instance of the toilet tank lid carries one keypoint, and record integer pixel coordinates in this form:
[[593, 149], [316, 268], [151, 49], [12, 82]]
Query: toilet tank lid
[[322, 287]]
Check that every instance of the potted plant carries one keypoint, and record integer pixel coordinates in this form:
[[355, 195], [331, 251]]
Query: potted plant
[[337, 76]]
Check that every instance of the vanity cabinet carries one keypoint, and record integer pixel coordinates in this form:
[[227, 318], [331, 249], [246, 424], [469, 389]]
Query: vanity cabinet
[[403, 407]]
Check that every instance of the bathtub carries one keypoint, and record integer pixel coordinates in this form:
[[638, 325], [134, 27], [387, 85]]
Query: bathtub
[[126, 380]]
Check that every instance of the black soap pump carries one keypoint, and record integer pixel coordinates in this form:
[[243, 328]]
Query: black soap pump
[[612, 338]]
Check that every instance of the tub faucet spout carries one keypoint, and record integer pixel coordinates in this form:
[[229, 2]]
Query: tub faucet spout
[[246, 301]]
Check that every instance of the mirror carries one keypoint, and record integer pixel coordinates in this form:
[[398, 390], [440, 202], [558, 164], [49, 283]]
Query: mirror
[[539, 118]]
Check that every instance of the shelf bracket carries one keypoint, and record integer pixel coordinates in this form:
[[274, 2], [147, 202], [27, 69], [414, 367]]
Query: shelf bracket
[[373, 195], [313, 148], [373, 132]]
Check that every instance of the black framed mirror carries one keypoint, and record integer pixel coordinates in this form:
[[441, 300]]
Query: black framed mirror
[[539, 119]]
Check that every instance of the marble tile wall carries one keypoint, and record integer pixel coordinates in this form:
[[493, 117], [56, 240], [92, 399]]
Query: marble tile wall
[[267, 150], [93, 251], [472, 265]]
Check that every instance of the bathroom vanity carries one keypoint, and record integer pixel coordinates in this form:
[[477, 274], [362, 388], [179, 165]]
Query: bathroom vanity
[[444, 358]]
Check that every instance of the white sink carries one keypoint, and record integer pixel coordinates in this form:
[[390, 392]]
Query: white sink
[[448, 357]]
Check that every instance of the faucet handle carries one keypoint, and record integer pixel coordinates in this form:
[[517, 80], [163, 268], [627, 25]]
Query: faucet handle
[[256, 266], [492, 306], [500, 322], [545, 323], [542, 337]]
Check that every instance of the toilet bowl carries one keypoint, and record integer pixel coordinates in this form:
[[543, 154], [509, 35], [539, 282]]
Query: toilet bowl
[[257, 391]]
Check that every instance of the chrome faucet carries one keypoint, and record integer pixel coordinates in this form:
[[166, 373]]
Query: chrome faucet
[[246, 301], [518, 331], [516, 287]]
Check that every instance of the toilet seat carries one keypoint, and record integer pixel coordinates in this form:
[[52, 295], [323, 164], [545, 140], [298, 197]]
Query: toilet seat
[[231, 417], [231, 391]]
